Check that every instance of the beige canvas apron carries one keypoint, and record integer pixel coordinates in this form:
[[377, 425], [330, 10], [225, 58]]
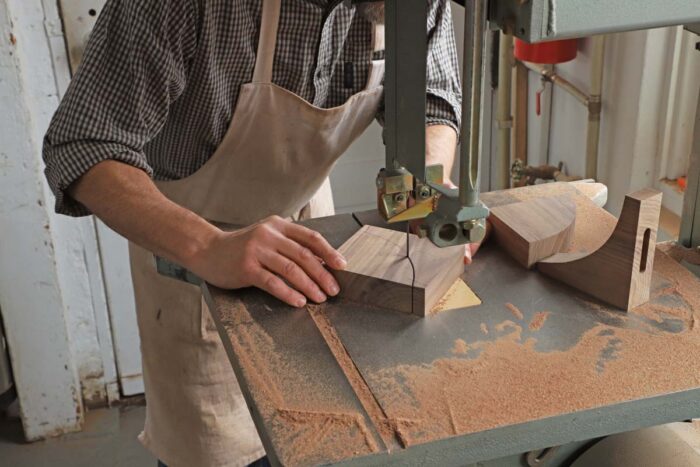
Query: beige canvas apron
[[275, 157]]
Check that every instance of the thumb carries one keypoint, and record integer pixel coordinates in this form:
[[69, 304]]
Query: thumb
[[468, 254]]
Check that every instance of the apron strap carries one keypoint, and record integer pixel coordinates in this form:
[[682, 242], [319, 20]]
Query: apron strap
[[376, 70], [377, 37], [269, 23]]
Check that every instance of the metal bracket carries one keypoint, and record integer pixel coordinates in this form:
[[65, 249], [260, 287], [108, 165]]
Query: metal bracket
[[540, 20], [455, 216]]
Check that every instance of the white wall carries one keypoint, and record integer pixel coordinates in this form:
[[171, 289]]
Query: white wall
[[51, 293], [353, 177], [651, 80]]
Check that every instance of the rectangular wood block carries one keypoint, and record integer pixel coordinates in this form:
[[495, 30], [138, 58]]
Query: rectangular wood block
[[379, 273]]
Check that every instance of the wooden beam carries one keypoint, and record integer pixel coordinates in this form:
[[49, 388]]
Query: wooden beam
[[379, 274], [619, 273], [536, 229]]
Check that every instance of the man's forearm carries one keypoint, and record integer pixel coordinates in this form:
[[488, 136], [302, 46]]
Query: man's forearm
[[127, 200], [440, 148], [274, 255]]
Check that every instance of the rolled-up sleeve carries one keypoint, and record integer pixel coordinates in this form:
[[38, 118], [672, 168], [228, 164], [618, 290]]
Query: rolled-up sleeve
[[444, 98], [134, 68]]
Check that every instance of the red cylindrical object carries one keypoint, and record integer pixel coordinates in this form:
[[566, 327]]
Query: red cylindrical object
[[546, 52]]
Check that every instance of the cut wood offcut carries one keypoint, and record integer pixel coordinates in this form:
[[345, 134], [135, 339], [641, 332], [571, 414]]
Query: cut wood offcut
[[379, 274], [619, 273], [532, 230]]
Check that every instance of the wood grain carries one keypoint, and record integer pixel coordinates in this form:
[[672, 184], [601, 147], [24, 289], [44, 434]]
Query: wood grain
[[536, 229], [379, 274], [619, 273]]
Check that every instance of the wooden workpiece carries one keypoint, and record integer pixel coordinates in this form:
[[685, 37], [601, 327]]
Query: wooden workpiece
[[619, 273], [536, 229], [379, 273], [537, 364]]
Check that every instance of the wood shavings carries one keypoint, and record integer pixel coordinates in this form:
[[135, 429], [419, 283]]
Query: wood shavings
[[302, 426], [387, 429], [515, 310], [460, 347], [538, 320], [486, 392]]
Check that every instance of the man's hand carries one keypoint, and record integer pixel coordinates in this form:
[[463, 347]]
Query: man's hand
[[264, 255], [275, 255]]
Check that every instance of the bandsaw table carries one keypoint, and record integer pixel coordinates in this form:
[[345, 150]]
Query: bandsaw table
[[538, 365]]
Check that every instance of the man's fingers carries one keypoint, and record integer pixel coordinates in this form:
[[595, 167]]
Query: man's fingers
[[315, 242], [467, 254], [292, 273], [305, 258], [474, 247], [275, 286], [470, 250]]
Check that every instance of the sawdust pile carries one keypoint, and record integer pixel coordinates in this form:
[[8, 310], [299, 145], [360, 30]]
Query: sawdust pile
[[608, 364], [315, 426], [388, 430], [457, 396]]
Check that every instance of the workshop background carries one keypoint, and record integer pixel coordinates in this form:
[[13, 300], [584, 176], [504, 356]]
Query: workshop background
[[66, 300]]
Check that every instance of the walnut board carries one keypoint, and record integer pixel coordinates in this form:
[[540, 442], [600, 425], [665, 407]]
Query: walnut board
[[619, 273], [533, 230], [379, 274]]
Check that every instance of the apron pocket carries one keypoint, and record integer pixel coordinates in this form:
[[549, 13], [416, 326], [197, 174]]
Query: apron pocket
[[179, 315]]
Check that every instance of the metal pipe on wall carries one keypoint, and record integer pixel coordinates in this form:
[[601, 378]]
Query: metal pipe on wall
[[520, 135], [592, 101], [595, 106], [547, 98], [551, 75], [504, 119]]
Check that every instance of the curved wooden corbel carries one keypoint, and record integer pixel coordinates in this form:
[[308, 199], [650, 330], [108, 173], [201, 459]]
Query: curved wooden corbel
[[619, 273]]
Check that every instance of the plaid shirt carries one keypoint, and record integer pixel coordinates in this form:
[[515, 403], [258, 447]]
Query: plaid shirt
[[159, 80]]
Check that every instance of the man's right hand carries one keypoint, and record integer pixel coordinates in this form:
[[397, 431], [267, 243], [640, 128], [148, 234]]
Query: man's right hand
[[275, 255]]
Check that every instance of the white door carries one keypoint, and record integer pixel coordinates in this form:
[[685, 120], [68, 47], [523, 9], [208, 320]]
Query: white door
[[122, 309], [79, 17]]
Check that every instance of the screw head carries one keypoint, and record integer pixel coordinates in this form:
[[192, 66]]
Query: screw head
[[399, 197]]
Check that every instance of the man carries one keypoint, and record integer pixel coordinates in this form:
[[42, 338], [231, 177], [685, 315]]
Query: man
[[186, 112]]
